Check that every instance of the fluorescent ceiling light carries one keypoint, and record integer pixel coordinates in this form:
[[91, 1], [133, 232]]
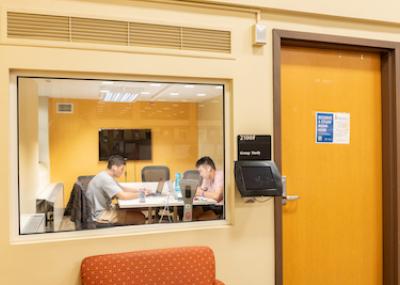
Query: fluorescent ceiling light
[[145, 93], [107, 83], [155, 84], [174, 93], [123, 97], [201, 94], [189, 86], [219, 87]]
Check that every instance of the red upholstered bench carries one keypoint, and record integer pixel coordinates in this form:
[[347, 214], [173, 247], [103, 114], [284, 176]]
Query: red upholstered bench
[[174, 266]]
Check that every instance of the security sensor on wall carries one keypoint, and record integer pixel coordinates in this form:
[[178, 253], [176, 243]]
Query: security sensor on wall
[[259, 35]]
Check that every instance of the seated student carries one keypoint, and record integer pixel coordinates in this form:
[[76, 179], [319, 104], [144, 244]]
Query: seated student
[[211, 187], [104, 187]]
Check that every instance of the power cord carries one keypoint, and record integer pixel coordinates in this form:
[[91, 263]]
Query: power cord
[[257, 199]]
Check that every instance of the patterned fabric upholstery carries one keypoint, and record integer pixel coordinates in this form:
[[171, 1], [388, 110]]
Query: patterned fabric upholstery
[[175, 266]]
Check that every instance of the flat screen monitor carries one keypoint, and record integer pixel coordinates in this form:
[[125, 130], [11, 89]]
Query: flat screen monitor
[[132, 144], [258, 178]]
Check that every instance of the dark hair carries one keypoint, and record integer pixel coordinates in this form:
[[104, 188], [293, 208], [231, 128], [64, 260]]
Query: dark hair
[[206, 160], [115, 160]]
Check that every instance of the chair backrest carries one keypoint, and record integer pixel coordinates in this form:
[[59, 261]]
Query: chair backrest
[[84, 180], [175, 266], [79, 208], [193, 174], [155, 173]]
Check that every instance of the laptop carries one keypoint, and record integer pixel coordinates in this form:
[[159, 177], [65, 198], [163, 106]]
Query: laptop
[[160, 187]]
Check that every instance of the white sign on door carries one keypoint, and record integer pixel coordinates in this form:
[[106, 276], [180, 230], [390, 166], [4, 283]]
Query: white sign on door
[[332, 128]]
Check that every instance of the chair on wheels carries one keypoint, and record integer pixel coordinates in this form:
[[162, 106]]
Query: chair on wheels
[[84, 180], [193, 174], [79, 208], [155, 173]]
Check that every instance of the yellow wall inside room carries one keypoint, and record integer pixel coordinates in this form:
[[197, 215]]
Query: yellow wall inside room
[[210, 124], [245, 249], [74, 137]]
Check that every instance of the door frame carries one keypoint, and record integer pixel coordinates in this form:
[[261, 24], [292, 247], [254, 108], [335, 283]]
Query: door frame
[[390, 94]]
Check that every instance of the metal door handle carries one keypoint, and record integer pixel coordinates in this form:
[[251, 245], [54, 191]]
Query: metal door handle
[[292, 197], [286, 198]]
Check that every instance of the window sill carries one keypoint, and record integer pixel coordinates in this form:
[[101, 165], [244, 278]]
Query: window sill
[[119, 232]]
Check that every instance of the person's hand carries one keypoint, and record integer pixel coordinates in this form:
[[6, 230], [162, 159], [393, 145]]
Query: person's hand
[[146, 192], [199, 192]]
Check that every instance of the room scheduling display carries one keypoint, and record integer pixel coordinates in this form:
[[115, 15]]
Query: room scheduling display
[[258, 178]]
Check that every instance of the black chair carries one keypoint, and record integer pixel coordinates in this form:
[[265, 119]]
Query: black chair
[[84, 180], [79, 208], [155, 173]]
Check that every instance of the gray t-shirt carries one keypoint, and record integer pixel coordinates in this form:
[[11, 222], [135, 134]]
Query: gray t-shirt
[[101, 190]]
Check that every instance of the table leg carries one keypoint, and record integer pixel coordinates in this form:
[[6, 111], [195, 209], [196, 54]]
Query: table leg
[[150, 215], [175, 217]]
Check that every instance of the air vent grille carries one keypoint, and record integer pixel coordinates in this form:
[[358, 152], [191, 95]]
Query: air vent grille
[[208, 40], [155, 35], [65, 108], [99, 31], [109, 32], [39, 27]]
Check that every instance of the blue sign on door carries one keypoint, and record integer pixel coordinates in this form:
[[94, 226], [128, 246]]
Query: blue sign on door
[[324, 127]]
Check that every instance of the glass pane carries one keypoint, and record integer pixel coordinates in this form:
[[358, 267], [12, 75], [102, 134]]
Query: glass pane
[[95, 153]]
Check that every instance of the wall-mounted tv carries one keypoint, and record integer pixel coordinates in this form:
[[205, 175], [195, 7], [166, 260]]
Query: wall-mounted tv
[[132, 144]]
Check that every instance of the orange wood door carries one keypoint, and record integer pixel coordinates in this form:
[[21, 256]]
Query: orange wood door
[[332, 235]]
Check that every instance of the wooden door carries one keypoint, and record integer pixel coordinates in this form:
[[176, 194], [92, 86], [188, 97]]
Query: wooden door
[[332, 235]]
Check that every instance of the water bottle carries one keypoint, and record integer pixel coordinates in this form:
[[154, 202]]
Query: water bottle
[[142, 195], [177, 185]]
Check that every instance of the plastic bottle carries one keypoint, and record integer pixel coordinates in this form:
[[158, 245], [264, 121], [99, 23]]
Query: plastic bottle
[[142, 195], [177, 185]]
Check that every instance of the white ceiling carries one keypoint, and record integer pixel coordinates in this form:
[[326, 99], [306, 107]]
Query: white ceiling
[[148, 91]]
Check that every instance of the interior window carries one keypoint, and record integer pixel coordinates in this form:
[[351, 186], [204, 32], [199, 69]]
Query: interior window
[[106, 153]]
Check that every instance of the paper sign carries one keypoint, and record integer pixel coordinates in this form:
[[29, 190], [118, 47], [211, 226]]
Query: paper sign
[[332, 128]]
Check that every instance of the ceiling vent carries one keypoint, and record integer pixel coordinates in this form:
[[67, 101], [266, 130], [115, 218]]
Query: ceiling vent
[[110, 32], [65, 108]]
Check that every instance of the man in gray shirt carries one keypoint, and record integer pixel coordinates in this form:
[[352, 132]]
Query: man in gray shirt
[[104, 187]]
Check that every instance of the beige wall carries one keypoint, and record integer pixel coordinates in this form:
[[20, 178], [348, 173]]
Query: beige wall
[[245, 250], [385, 10]]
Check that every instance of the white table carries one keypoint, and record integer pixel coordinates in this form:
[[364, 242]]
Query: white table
[[166, 199]]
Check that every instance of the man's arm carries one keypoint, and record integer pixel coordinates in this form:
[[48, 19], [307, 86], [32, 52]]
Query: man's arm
[[129, 189], [217, 195], [126, 195]]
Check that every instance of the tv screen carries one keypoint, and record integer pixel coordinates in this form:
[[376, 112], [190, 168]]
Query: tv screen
[[258, 178], [132, 144]]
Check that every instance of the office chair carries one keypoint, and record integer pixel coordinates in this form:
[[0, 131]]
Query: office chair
[[79, 208], [155, 173], [84, 181], [192, 174]]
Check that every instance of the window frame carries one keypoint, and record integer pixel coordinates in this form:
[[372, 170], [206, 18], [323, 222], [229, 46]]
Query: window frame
[[17, 238]]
